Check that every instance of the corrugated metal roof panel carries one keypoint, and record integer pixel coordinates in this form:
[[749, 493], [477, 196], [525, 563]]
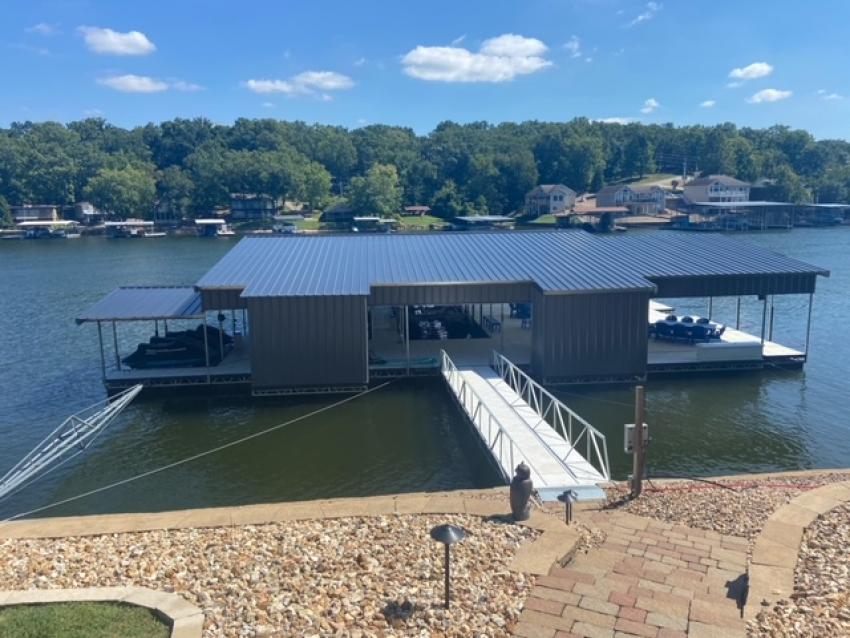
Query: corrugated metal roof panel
[[557, 261], [126, 304]]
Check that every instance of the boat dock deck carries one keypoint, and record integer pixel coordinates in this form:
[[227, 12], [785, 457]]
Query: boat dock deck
[[735, 349], [515, 431], [233, 370]]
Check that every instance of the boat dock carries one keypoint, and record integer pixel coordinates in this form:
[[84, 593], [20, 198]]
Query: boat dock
[[520, 421], [734, 350]]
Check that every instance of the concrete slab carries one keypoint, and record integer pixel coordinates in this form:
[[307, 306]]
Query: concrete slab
[[538, 556]]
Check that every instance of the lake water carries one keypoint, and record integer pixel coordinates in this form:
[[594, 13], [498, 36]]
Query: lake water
[[406, 437]]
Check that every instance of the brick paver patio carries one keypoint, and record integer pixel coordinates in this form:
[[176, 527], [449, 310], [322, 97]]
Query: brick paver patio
[[648, 578]]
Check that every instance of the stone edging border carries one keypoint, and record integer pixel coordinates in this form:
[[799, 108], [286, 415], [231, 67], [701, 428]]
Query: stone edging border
[[186, 620], [777, 546]]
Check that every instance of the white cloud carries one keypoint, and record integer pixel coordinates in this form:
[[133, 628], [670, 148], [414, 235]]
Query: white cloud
[[650, 105], [734, 85], [499, 59], [651, 9], [708, 104], [615, 120], [573, 45], [182, 85], [769, 95], [458, 40], [360, 62], [826, 95], [92, 113], [268, 105], [133, 83], [113, 42], [43, 28], [750, 72], [588, 59], [307, 83]]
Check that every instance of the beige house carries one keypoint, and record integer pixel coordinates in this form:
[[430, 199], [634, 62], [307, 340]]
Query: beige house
[[716, 188], [640, 200], [549, 199]]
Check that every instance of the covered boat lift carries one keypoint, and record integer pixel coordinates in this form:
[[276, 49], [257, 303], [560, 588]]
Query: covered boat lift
[[162, 304]]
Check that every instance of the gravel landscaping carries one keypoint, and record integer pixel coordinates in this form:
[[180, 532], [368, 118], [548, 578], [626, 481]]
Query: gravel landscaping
[[380, 576], [820, 605], [738, 507]]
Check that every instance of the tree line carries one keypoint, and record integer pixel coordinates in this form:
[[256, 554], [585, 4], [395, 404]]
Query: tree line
[[190, 166]]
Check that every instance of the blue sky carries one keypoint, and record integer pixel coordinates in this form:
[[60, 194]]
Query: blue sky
[[755, 63]]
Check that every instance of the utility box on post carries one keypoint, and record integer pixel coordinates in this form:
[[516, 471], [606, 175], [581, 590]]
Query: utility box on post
[[629, 437]]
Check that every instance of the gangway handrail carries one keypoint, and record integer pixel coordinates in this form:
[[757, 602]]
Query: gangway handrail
[[78, 430], [477, 410], [554, 412]]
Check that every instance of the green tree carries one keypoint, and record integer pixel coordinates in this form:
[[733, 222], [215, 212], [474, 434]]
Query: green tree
[[126, 192], [378, 193], [447, 202], [175, 188], [5, 213], [788, 187], [314, 185]]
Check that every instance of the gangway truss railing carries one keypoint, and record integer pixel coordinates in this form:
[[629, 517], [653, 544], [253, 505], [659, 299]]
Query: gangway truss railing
[[78, 430], [570, 426], [494, 434]]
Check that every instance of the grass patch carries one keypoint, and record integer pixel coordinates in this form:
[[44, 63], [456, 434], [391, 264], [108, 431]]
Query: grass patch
[[422, 222], [80, 620], [312, 223]]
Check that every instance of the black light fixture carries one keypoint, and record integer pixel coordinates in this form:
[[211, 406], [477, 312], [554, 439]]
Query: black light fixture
[[448, 535], [568, 497]]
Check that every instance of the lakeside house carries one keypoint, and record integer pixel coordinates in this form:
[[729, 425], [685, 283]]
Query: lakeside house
[[716, 188], [35, 212], [253, 206], [341, 214], [415, 211], [640, 200], [549, 199]]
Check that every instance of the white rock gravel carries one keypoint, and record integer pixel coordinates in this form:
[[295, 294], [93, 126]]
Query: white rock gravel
[[740, 508], [355, 577], [820, 605]]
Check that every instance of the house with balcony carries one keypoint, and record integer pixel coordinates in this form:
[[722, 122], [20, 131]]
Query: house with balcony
[[247, 206], [549, 199], [716, 188], [640, 200]]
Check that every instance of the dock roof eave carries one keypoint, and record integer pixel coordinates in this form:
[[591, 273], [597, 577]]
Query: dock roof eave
[[145, 303]]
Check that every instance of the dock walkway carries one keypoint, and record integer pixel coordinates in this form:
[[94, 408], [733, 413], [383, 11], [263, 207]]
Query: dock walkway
[[518, 420]]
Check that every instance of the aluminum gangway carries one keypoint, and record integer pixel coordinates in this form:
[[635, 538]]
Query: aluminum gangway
[[517, 419], [78, 430]]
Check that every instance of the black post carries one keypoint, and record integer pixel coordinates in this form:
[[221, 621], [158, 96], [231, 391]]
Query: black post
[[448, 564]]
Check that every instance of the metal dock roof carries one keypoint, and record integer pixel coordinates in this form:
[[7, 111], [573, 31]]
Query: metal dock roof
[[557, 261], [146, 303]]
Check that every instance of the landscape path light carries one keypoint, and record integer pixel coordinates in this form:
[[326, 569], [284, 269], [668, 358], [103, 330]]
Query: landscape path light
[[448, 535], [568, 497]]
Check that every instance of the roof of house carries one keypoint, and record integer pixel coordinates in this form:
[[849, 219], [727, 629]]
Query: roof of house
[[417, 208], [711, 179], [556, 261], [548, 188]]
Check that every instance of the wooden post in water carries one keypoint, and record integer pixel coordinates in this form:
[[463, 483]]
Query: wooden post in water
[[770, 331], [639, 451], [738, 314], [809, 323], [115, 345], [103, 359], [407, 338]]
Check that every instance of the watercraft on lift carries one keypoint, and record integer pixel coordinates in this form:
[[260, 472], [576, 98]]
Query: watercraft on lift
[[131, 228], [183, 349]]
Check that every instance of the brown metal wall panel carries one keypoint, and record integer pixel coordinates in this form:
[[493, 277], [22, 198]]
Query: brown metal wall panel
[[222, 298], [589, 335], [308, 341], [735, 285], [447, 294]]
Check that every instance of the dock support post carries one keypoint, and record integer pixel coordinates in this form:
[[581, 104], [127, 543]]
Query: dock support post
[[763, 319], [115, 345], [637, 469], [206, 349], [809, 323], [710, 306], [770, 330], [738, 313], [502, 329], [407, 338], [102, 357]]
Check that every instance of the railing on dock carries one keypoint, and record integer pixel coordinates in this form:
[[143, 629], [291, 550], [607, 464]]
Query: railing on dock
[[499, 442], [574, 429]]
